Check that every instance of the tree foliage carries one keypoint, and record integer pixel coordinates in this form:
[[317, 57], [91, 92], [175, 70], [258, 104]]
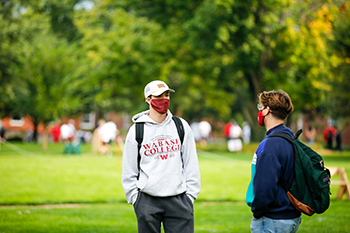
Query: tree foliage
[[339, 96], [45, 80], [125, 53], [217, 55], [229, 51]]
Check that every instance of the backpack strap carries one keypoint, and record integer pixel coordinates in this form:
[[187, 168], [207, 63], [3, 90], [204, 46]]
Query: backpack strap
[[180, 131], [139, 137], [282, 135], [298, 133], [180, 128], [290, 140]]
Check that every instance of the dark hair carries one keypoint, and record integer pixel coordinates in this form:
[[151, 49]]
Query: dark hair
[[278, 101]]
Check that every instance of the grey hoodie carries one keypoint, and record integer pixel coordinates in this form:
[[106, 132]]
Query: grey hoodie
[[163, 172]]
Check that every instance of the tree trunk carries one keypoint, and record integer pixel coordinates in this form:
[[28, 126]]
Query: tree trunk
[[35, 133], [45, 137]]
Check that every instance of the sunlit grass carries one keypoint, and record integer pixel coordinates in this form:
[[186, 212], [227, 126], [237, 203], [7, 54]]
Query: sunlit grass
[[31, 186]]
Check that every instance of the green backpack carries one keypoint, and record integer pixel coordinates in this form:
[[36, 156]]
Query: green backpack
[[310, 190]]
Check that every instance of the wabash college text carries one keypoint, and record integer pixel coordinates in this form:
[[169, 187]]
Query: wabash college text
[[162, 148]]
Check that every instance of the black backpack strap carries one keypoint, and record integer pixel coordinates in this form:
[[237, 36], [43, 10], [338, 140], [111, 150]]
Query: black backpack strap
[[139, 138], [180, 128], [298, 133], [180, 131]]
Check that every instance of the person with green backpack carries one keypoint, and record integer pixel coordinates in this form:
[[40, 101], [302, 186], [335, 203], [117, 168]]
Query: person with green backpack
[[273, 169]]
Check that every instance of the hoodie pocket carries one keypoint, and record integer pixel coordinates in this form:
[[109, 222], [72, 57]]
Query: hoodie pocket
[[138, 195], [164, 184]]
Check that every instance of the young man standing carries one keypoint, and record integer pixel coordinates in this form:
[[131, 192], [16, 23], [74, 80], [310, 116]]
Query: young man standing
[[273, 169], [163, 184]]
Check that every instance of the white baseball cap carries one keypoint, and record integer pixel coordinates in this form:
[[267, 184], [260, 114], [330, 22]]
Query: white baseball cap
[[156, 88]]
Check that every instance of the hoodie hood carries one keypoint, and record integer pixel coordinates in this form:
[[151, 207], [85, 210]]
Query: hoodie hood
[[143, 117]]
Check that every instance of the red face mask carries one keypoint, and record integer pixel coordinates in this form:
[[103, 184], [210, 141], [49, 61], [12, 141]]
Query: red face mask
[[160, 105], [261, 118]]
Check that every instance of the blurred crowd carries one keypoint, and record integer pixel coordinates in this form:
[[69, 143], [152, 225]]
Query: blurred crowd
[[101, 138]]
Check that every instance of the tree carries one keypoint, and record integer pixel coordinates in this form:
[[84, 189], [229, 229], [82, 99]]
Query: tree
[[15, 24], [9, 34], [338, 97], [217, 54], [45, 76], [230, 51], [124, 52]]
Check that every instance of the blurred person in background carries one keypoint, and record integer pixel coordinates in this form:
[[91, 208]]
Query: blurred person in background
[[205, 131], [2, 130], [2, 133], [235, 143], [196, 131], [67, 132], [55, 132], [107, 134], [310, 135], [329, 134], [246, 133], [338, 139], [227, 127]]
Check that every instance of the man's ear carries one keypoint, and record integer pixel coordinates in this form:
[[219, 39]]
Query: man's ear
[[269, 110], [148, 100]]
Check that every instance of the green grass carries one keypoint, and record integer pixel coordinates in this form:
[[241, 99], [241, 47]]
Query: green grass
[[223, 217], [37, 186], [46, 179], [72, 218]]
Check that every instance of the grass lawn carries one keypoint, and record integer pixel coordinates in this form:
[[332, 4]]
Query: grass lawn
[[45, 191], [223, 217]]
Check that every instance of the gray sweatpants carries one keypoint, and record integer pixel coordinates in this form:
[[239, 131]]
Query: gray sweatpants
[[175, 212]]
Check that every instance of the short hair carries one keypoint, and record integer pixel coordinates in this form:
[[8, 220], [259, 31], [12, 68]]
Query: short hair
[[278, 101]]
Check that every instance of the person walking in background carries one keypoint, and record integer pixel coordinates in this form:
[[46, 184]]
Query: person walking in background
[[2, 130], [246, 133], [55, 132], [107, 134], [235, 142], [196, 131], [205, 131], [71, 124], [2, 133], [96, 141], [328, 134], [67, 133], [227, 128], [273, 169], [164, 181], [310, 135], [338, 139]]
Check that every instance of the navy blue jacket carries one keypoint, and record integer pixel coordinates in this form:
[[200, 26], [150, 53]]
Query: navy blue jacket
[[274, 173]]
